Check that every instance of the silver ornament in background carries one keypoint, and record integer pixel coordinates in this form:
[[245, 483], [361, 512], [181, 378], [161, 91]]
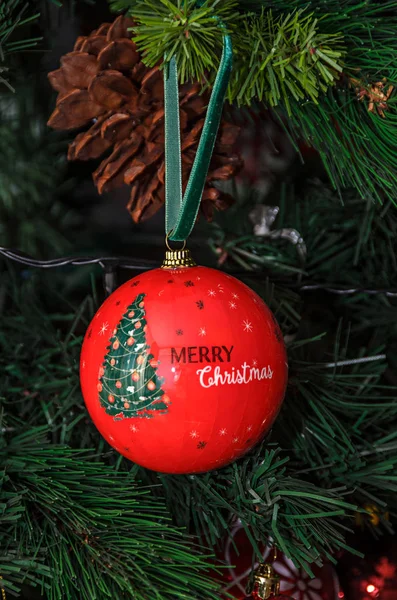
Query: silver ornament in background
[[263, 218]]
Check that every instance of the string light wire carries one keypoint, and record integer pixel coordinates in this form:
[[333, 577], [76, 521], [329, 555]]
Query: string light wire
[[109, 264]]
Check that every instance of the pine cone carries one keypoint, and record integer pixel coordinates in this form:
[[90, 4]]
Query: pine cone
[[104, 85]]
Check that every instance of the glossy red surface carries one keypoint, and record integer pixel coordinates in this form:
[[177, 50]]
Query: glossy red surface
[[205, 385]]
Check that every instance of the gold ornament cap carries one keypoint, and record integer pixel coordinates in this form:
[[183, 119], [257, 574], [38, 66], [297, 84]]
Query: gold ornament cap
[[175, 259], [266, 583]]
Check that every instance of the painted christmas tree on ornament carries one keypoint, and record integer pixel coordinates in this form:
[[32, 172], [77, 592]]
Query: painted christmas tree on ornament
[[183, 369], [128, 385]]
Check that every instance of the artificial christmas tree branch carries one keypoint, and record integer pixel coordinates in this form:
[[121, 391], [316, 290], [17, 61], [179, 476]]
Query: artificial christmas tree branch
[[274, 57], [94, 545], [13, 15], [279, 58]]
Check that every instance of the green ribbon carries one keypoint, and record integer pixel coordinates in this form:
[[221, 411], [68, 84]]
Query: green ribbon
[[181, 212]]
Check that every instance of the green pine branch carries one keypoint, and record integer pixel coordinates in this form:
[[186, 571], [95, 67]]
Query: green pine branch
[[90, 530], [341, 232], [186, 30], [284, 57], [14, 14], [358, 148], [304, 520], [33, 216], [274, 57]]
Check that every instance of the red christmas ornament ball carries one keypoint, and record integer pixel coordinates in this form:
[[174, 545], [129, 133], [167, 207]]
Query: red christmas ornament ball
[[213, 378]]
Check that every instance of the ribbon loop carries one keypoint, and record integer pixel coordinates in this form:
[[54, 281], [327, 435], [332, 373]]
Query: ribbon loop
[[181, 212]]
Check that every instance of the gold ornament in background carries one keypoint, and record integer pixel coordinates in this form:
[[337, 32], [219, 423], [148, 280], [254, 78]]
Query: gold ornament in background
[[3, 593], [266, 583], [376, 93], [375, 515]]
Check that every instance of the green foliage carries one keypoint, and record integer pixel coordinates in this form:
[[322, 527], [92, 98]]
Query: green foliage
[[96, 534], [32, 168], [304, 520], [182, 29], [284, 57], [339, 236], [14, 14], [358, 148], [274, 57]]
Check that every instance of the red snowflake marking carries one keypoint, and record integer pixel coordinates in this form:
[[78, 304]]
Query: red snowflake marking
[[135, 283], [200, 305], [201, 445], [189, 283], [179, 332], [118, 302]]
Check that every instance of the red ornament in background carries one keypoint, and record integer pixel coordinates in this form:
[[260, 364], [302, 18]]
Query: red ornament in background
[[294, 583], [299, 585], [255, 596], [183, 370]]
